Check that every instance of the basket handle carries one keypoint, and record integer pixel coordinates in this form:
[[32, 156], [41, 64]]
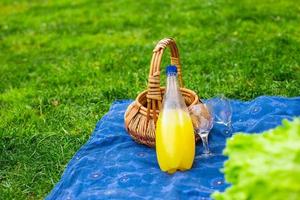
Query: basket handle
[[154, 96]]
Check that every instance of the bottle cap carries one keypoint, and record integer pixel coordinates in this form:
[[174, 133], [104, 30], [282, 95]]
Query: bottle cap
[[171, 69]]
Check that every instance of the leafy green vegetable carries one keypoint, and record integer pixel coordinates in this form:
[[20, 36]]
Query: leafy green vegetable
[[264, 166]]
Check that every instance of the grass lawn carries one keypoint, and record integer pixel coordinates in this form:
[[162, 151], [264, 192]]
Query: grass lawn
[[62, 63]]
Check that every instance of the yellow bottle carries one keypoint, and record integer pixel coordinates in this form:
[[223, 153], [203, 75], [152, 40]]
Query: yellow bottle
[[175, 139]]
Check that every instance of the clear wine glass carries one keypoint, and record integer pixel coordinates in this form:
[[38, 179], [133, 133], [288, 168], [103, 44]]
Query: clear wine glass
[[203, 122], [221, 111]]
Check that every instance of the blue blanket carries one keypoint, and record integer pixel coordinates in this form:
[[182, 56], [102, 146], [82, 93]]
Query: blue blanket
[[112, 166]]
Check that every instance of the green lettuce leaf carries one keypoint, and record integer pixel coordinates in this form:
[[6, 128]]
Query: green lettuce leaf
[[263, 166]]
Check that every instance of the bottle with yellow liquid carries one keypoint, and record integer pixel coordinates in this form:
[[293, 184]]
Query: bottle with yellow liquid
[[175, 139]]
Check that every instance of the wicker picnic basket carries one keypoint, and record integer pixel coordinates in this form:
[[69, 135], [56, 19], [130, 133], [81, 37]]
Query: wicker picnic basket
[[141, 115]]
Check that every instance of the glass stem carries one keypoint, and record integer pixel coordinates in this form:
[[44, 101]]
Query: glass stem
[[204, 138]]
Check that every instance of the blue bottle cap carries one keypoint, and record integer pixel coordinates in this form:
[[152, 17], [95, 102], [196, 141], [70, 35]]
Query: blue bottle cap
[[171, 69]]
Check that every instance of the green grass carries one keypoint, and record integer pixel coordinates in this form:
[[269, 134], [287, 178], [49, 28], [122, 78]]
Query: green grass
[[63, 63]]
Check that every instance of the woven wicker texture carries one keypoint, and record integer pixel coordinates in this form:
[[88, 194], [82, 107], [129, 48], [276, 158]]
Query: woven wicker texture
[[142, 114]]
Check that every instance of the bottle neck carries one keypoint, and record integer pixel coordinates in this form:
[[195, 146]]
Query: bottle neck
[[173, 94], [172, 84]]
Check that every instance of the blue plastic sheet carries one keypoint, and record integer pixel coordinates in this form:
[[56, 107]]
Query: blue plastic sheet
[[112, 166]]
